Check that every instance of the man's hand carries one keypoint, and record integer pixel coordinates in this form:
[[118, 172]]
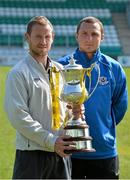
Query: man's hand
[[62, 143]]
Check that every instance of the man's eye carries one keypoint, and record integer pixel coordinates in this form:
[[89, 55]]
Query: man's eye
[[48, 37], [95, 34], [84, 33]]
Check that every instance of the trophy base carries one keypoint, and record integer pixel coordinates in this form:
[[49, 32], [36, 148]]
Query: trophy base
[[79, 150], [78, 130], [82, 144]]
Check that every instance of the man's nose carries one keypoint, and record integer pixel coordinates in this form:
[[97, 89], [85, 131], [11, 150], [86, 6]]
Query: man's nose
[[43, 40], [89, 37]]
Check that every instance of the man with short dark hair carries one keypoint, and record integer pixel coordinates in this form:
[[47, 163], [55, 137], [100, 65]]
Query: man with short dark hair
[[104, 109]]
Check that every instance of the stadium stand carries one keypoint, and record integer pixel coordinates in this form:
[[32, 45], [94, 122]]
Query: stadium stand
[[64, 15]]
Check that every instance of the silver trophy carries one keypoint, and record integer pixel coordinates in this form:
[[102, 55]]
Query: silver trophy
[[74, 92]]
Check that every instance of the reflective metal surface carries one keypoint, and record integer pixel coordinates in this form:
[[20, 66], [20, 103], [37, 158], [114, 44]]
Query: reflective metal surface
[[74, 92]]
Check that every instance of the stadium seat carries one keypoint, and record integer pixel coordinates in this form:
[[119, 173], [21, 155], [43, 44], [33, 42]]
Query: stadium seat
[[64, 15]]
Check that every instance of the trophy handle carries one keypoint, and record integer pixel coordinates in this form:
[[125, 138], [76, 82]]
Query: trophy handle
[[88, 72]]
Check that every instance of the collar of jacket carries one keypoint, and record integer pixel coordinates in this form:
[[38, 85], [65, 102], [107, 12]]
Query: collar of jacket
[[82, 58], [34, 63]]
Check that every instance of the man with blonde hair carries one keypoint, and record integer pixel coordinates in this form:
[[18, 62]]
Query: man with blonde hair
[[34, 110]]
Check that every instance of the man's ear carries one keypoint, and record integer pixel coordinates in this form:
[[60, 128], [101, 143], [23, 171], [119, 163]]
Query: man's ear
[[53, 36], [26, 35], [76, 36], [102, 37]]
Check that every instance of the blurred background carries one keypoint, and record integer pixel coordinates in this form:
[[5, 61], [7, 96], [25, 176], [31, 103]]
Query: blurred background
[[64, 15]]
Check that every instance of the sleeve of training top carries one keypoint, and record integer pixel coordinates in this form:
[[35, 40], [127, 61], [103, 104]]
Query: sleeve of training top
[[120, 96], [16, 106]]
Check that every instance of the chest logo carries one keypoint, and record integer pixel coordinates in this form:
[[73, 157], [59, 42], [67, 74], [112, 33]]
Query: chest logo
[[103, 80]]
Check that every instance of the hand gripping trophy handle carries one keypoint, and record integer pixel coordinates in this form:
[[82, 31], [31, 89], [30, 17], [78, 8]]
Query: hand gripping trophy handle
[[74, 92]]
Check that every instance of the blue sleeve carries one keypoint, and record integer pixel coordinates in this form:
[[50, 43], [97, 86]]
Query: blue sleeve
[[64, 60], [120, 96]]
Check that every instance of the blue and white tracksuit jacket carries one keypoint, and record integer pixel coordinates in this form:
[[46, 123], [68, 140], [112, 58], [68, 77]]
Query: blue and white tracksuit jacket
[[107, 105]]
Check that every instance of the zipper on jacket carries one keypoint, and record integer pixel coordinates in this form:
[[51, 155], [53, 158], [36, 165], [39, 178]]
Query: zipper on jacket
[[28, 143]]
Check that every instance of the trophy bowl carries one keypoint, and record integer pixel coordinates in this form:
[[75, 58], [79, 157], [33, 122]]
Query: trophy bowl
[[74, 92]]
